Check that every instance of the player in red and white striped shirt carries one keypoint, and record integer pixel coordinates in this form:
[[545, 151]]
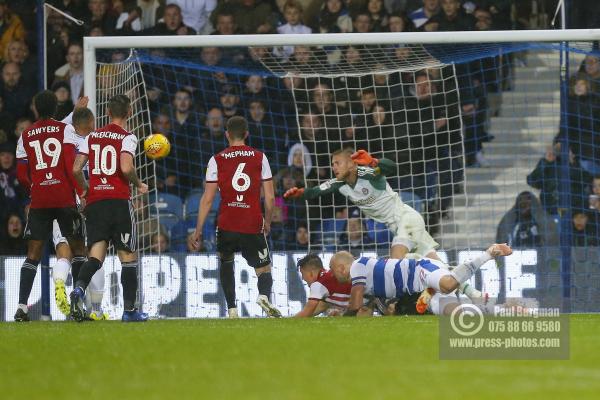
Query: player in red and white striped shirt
[[325, 291]]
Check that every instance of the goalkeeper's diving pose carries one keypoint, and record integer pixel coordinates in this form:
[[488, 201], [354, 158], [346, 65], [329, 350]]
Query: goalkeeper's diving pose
[[361, 178], [389, 278]]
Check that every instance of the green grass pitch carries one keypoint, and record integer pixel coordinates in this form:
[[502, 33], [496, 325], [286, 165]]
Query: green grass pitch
[[321, 358]]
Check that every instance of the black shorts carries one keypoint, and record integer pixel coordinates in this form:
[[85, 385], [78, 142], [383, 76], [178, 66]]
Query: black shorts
[[111, 221], [254, 247], [39, 223]]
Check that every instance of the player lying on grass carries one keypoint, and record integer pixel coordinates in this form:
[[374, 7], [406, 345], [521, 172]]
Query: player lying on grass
[[326, 293], [361, 178], [392, 278], [79, 124]]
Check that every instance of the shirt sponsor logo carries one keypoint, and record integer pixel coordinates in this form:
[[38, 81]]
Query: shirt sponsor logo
[[368, 200]]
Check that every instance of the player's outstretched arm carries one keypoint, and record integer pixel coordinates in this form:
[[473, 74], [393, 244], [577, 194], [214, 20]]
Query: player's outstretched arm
[[269, 200], [309, 309], [78, 166], [128, 170], [356, 300], [330, 186], [210, 191]]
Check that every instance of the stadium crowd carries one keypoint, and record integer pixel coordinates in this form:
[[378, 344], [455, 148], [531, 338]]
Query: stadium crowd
[[190, 104]]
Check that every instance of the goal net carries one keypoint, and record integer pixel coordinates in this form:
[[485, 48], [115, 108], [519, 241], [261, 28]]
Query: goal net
[[468, 127]]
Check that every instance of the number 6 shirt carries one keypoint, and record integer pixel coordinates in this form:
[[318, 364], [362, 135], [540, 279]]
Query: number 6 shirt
[[239, 172], [103, 148]]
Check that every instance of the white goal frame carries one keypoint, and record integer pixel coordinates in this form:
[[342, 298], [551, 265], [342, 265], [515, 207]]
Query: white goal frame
[[91, 44]]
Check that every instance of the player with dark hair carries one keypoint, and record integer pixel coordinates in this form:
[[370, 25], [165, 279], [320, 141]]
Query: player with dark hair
[[45, 168], [325, 291], [110, 215], [240, 172]]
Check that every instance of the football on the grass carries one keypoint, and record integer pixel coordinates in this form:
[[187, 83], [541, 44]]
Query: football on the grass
[[157, 146]]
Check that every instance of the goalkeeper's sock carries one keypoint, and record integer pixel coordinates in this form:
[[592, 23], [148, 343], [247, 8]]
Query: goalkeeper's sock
[[465, 271], [469, 290], [129, 280], [226, 273], [76, 265], [88, 270], [265, 283], [28, 271]]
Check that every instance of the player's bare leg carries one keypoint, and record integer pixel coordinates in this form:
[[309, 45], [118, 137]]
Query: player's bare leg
[[60, 273], [28, 272], [227, 279], [265, 283]]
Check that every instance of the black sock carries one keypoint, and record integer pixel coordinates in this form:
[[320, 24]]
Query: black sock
[[129, 280], [88, 269], [28, 271], [265, 283], [226, 273], [76, 265]]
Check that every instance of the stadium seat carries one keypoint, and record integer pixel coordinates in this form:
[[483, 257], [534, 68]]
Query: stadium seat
[[192, 202], [169, 209], [378, 232], [412, 200]]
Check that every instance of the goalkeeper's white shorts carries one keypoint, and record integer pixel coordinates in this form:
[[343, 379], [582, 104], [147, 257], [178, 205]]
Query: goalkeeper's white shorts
[[409, 231], [443, 304]]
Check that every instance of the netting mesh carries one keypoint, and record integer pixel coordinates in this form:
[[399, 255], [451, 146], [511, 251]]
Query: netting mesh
[[496, 149]]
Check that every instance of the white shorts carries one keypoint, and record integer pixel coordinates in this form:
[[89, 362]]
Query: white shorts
[[57, 236], [409, 231]]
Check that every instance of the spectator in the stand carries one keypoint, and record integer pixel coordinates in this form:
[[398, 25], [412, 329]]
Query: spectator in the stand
[[355, 238], [278, 235], [149, 9], [172, 24], [379, 16], [72, 71], [399, 22], [594, 205], [129, 19], [591, 68], [255, 89], [292, 12], [526, 224], [11, 240], [500, 11], [98, 15], [335, 117], [16, 91], [166, 169], [18, 52], [315, 140], [185, 143], [299, 159], [430, 9], [74, 8], [251, 16], [264, 136], [582, 124], [11, 27], [22, 124], [225, 24], [12, 195], [547, 178], [196, 14], [7, 123], [215, 129], [362, 22], [63, 94], [230, 101], [453, 18], [159, 243], [583, 233], [483, 20], [301, 238], [333, 18]]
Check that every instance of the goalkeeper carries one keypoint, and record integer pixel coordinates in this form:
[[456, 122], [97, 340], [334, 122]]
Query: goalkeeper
[[361, 178]]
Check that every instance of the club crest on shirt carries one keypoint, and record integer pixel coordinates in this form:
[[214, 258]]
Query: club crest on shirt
[[365, 191]]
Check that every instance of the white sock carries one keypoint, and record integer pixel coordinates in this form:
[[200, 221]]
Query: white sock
[[465, 271], [61, 270], [24, 308], [96, 290], [469, 290]]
